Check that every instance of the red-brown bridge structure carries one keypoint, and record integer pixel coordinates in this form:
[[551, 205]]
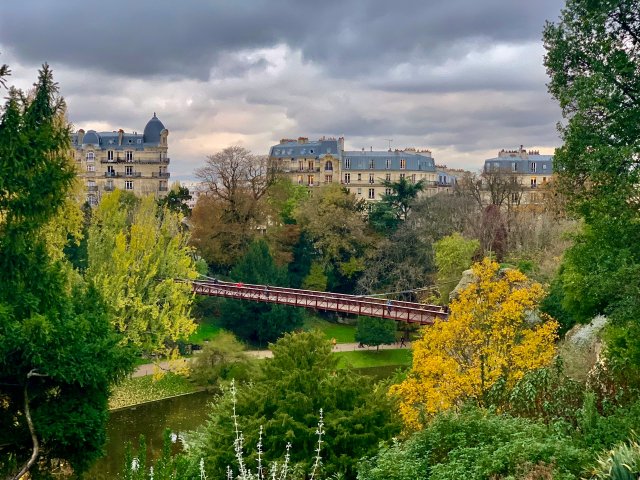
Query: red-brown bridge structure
[[409, 312]]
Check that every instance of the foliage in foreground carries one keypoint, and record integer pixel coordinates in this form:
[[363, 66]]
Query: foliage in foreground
[[375, 331], [58, 354], [486, 342], [297, 382], [476, 444]]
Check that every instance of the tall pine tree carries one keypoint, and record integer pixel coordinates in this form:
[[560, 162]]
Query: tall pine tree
[[58, 355]]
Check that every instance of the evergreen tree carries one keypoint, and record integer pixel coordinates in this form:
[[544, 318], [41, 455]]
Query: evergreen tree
[[58, 355], [375, 331], [254, 321]]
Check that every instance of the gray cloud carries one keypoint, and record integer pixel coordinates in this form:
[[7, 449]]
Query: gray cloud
[[462, 77]]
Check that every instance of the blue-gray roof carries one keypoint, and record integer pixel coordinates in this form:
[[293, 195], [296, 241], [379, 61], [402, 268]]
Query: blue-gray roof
[[308, 149], [130, 141], [385, 160], [534, 164]]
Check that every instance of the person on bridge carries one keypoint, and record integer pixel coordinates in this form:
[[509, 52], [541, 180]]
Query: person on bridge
[[389, 305], [266, 291]]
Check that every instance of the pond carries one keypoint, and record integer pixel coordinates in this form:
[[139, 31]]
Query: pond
[[179, 414]]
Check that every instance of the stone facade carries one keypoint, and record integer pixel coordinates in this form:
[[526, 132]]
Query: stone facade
[[133, 162], [324, 161]]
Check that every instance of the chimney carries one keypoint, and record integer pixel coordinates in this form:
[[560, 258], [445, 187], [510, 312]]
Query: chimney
[[340, 144], [303, 139], [120, 135], [371, 149], [80, 136]]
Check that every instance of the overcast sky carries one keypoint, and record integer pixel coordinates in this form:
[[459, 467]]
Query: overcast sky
[[463, 78]]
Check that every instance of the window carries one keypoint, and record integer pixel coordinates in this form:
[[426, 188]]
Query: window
[[544, 166], [128, 155], [128, 184], [533, 167], [387, 177], [371, 180], [347, 163], [110, 155], [311, 165], [328, 179], [109, 186], [359, 191], [372, 163], [402, 176], [110, 171], [372, 193], [311, 151], [90, 156], [544, 179], [310, 180], [128, 170], [403, 163], [91, 167], [387, 191], [139, 140], [533, 183], [92, 200], [413, 178], [300, 179], [328, 166], [300, 165], [388, 163], [347, 178], [359, 177], [514, 167]]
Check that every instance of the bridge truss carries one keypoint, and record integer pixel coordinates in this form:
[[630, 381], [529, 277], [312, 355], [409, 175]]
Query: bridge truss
[[400, 311]]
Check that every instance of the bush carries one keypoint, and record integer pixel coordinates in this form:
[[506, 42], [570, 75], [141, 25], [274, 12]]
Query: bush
[[476, 444]]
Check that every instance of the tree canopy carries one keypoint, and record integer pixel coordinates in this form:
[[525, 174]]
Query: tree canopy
[[58, 355], [135, 256], [486, 342]]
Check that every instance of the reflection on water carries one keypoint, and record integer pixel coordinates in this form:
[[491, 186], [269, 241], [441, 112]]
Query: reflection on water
[[179, 414]]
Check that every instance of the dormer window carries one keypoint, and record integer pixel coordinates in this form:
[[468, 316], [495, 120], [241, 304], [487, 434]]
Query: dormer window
[[90, 156]]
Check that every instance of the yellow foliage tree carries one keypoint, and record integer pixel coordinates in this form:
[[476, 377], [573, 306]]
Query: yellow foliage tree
[[486, 339]]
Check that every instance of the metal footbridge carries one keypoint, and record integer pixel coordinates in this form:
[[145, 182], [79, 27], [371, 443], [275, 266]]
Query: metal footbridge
[[409, 312]]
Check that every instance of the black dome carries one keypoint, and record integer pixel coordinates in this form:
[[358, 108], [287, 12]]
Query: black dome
[[152, 130]]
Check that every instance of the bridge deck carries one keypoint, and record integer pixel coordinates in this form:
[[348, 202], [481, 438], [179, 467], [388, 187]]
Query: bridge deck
[[409, 312]]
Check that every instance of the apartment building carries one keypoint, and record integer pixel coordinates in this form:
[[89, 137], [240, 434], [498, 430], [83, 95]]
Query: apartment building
[[135, 162], [531, 171], [363, 172]]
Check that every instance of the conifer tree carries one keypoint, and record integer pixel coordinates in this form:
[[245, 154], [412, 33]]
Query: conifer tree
[[58, 355]]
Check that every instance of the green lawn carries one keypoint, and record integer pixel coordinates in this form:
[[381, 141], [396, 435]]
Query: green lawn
[[342, 333], [133, 391], [371, 358], [205, 331]]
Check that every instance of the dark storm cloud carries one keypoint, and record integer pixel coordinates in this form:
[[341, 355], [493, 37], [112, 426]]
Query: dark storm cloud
[[189, 38]]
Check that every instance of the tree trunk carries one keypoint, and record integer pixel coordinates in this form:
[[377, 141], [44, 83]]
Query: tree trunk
[[34, 438]]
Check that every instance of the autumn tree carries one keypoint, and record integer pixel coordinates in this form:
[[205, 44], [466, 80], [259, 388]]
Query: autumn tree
[[136, 254], [232, 208], [58, 354], [332, 219], [454, 254], [488, 343]]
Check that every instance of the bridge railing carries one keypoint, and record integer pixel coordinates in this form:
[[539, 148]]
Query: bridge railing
[[329, 301]]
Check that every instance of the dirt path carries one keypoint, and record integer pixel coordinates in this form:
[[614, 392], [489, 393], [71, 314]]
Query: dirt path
[[149, 368]]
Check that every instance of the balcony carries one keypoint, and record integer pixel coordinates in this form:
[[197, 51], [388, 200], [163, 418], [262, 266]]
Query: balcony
[[160, 161], [160, 175], [109, 188], [163, 188], [113, 174], [92, 188], [133, 174]]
